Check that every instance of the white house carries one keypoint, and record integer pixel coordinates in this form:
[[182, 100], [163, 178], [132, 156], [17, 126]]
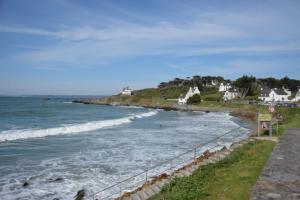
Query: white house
[[213, 83], [127, 91], [273, 95], [297, 97], [289, 93], [192, 91], [230, 94], [224, 87]]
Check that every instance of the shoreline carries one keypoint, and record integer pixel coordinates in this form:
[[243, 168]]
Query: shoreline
[[247, 116]]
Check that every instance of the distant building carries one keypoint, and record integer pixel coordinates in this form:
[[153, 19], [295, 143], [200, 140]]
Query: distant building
[[287, 91], [224, 87], [273, 95], [213, 83], [297, 97], [192, 91], [127, 91], [230, 94]]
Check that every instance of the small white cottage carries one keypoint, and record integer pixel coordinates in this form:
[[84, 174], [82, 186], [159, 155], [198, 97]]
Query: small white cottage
[[224, 87], [273, 95], [213, 83], [230, 94], [287, 91], [126, 91], [297, 97], [192, 91]]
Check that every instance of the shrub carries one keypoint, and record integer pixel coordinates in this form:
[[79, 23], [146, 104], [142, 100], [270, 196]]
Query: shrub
[[195, 99]]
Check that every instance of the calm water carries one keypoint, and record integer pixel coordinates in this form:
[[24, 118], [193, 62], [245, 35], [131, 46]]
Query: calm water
[[91, 146]]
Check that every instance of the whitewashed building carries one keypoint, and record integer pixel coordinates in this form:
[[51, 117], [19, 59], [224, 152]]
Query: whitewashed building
[[213, 83], [273, 95], [287, 91], [126, 91], [230, 94], [192, 91], [224, 87], [297, 97]]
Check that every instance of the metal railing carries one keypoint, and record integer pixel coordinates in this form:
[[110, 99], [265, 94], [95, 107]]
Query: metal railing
[[117, 189]]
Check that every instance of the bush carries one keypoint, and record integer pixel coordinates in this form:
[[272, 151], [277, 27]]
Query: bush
[[195, 99]]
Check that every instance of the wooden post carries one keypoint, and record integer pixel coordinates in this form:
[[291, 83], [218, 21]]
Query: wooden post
[[146, 178], [258, 124], [270, 131], [195, 156]]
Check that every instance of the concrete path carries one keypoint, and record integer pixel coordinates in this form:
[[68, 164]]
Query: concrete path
[[280, 178]]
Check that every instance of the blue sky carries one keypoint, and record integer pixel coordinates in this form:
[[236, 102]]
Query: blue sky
[[98, 47]]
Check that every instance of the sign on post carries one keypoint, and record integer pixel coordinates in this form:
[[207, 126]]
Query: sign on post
[[264, 117], [264, 122], [271, 109]]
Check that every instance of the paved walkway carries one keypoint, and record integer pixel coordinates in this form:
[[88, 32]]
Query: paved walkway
[[280, 178]]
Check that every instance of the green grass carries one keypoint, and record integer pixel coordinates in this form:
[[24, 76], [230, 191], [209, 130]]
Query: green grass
[[291, 118], [230, 178], [212, 96], [147, 97]]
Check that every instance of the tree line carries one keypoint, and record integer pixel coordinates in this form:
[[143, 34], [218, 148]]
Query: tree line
[[247, 85]]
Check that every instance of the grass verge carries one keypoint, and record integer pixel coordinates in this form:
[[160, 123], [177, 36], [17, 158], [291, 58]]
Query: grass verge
[[230, 178]]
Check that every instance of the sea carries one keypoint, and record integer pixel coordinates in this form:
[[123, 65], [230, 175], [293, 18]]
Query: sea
[[51, 148]]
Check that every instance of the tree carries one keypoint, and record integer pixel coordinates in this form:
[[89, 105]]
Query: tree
[[270, 82], [291, 84], [247, 86], [195, 99], [286, 82]]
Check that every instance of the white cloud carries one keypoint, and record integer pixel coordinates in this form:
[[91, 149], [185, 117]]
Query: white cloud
[[26, 30], [162, 31], [202, 33]]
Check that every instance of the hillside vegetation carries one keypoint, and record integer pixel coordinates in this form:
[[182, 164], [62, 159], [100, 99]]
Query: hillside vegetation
[[167, 92]]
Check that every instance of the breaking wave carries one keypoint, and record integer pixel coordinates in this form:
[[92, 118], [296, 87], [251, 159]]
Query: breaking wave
[[11, 135]]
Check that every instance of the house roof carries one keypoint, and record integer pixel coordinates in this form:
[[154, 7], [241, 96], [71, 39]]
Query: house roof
[[279, 91], [265, 91], [194, 89]]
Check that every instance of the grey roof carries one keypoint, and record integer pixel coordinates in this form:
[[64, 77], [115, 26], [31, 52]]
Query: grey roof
[[265, 91], [279, 91]]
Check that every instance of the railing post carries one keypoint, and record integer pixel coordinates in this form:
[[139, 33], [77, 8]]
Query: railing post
[[171, 161], [194, 155]]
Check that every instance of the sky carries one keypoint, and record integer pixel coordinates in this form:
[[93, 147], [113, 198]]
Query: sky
[[97, 47]]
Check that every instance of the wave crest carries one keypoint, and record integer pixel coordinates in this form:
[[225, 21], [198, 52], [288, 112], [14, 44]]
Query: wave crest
[[11, 135]]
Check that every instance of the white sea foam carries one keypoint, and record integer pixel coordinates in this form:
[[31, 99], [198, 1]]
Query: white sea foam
[[11, 135], [94, 168]]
